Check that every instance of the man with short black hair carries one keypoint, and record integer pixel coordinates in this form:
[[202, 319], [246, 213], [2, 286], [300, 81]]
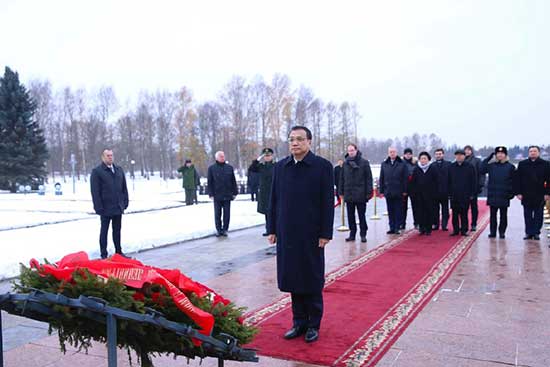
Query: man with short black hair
[[300, 222], [110, 198], [480, 183], [441, 166], [533, 188]]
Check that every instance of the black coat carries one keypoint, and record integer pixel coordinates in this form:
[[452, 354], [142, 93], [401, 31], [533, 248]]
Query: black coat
[[422, 183], [480, 177], [500, 188], [265, 173], [462, 184], [109, 190], [337, 173], [222, 184], [301, 211], [442, 170], [530, 179], [393, 178], [356, 180], [253, 180]]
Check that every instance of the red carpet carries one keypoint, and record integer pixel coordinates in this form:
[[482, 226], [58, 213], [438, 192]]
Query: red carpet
[[368, 302]]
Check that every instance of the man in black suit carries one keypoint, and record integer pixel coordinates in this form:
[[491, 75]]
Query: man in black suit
[[110, 197]]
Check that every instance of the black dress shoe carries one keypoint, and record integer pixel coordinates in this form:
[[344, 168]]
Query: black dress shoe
[[435, 228], [224, 233], [502, 235], [444, 229], [294, 332], [473, 229], [363, 239], [350, 239], [428, 233], [536, 237], [397, 232], [465, 234], [390, 232], [312, 335], [219, 234], [454, 234], [528, 237], [103, 257], [492, 235]]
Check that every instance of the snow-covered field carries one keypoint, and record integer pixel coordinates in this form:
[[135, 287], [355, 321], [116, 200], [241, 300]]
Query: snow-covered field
[[59, 225]]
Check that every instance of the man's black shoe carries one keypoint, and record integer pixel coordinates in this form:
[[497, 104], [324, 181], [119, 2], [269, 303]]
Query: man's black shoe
[[363, 239], [224, 233], [265, 234], [219, 234], [492, 235], [473, 229], [397, 232], [103, 257], [454, 234], [528, 237], [444, 229], [465, 234], [428, 233], [435, 228], [502, 235], [536, 237], [390, 232], [350, 239], [294, 332], [312, 335]]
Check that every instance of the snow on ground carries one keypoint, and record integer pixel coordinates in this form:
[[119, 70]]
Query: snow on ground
[[139, 231], [63, 224]]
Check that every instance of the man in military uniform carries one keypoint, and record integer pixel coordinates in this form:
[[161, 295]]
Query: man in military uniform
[[190, 182], [263, 166]]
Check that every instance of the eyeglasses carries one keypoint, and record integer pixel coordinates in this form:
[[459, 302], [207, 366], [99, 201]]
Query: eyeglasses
[[299, 139]]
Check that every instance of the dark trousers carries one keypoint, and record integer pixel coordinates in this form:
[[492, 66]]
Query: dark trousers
[[460, 217], [503, 220], [534, 217], [253, 195], [425, 216], [190, 196], [414, 207], [475, 211], [219, 207], [441, 205], [307, 310], [117, 224], [395, 212], [361, 212]]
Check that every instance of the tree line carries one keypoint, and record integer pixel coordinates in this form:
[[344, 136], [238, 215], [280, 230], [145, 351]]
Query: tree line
[[165, 127]]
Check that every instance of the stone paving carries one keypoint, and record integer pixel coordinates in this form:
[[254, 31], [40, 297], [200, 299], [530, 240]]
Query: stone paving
[[492, 311]]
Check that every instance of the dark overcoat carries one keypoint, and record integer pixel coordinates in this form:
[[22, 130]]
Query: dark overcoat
[[301, 211], [356, 180], [109, 190], [253, 180], [337, 173], [480, 177], [394, 178], [500, 187], [462, 184], [530, 181], [265, 172], [222, 184], [442, 171], [422, 183]]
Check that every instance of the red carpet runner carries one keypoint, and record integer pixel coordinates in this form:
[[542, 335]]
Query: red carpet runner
[[368, 302]]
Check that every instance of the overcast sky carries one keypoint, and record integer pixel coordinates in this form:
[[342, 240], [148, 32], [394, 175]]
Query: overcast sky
[[471, 71]]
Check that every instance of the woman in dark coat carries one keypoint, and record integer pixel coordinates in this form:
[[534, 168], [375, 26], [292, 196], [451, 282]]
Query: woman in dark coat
[[500, 188], [423, 186]]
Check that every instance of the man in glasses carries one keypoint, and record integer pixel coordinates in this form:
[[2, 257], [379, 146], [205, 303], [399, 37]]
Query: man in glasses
[[300, 221]]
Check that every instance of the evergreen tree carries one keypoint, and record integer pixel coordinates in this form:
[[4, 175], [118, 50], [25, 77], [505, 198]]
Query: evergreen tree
[[23, 151]]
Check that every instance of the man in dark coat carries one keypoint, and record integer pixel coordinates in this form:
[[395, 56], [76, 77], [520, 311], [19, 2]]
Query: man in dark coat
[[263, 166], [337, 172], [300, 221], [222, 188], [410, 163], [423, 181], [253, 181], [356, 188], [500, 188], [190, 182], [462, 189], [480, 183], [393, 182], [110, 198], [441, 196], [533, 188]]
